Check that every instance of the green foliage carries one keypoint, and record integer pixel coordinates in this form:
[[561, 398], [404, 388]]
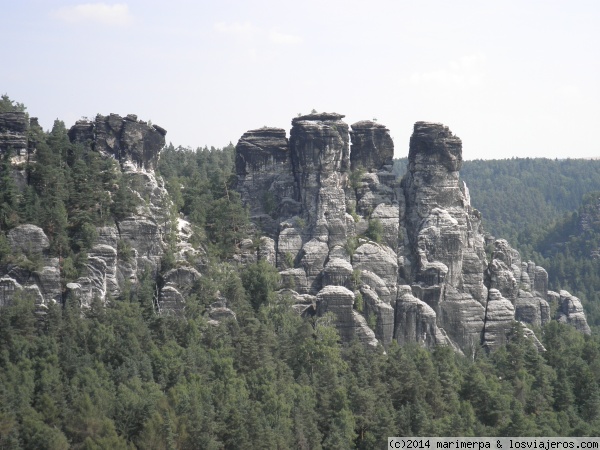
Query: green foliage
[[260, 281], [359, 303], [124, 250], [351, 245], [8, 105], [201, 182], [355, 177], [289, 260], [375, 230], [115, 376]]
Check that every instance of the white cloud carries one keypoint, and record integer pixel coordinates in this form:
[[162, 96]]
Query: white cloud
[[282, 38], [117, 14], [248, 30], [465, 72], [236, 28]]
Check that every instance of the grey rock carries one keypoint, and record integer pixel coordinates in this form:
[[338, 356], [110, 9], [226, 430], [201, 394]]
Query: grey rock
[[382, 312], [499, 318], [13, 131], [263, 167], [571, 312], [289, 244], [314, 254], [338, 272], [529, 334], [502, 278], [416, 321], [295, 279], [374, 282], [219, 312], [322, 196], [380, 260], [127, 139], [28, 239], [182, 277], [462, 317], [531, 309], [171, 302], [266, 250], [8, 288], [350, 324], [372, 146]]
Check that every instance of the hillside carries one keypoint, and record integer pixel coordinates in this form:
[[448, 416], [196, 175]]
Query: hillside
[[283, 293]]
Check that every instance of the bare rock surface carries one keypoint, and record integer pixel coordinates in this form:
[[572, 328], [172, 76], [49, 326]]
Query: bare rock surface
[[342, 225]]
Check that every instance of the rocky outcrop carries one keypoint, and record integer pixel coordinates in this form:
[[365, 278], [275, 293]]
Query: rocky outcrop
[[13, 131], [265, 181], [133, 245], [372, 146], [124, 138], [570, 311], [30, 267], [411, 252]]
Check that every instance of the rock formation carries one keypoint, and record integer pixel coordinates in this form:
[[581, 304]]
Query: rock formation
[[125, 138], [393, 260], [384, 259], [126, 250], [13, 131]]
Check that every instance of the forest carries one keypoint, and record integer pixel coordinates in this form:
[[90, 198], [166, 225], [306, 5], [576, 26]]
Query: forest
[[123, 377]]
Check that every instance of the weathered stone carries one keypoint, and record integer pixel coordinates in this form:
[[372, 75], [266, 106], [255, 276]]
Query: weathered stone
[[571, 312], [295, 279], [461, 316], [266, 250], [540, 284], [263, 167], [183, 277], [380, 260], [382, 312], [431, 237], [372, 146], [320, 154], [371, 279], [502, 278], [338, 272], [415, 321], [499, 318], [171, 302], [531, 309], [8, 288], [28, 239], [314, 254], [127, 139], [219, 312], [339, 301], [13, 131]]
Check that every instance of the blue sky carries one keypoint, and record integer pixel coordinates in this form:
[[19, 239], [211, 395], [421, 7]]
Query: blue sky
[[511, 78]]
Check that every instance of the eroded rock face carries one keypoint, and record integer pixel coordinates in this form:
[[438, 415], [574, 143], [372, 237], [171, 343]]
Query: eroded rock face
[[373, 144], [133, 246], [13, 131], [265, 181], [413, 252], [125, 138], [571, 312]]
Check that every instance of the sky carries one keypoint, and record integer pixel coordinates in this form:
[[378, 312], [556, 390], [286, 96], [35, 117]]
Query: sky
[[511, 78]]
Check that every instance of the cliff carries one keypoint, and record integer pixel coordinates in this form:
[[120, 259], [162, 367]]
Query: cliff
[[126, 248], [391, 260], [388, 259]]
